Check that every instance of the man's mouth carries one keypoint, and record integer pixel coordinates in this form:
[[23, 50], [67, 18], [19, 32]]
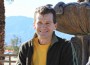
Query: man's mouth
[[43, 31]]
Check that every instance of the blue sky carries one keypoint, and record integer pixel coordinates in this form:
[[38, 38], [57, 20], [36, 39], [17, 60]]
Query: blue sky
[[27, 7]]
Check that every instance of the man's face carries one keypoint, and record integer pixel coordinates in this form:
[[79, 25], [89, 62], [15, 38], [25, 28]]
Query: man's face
[[44, 25]]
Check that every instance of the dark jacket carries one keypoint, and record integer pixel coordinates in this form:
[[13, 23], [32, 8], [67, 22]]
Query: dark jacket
[[59, 53]]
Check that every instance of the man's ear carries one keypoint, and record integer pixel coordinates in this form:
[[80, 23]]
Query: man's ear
[[34, 26], [55, 25]]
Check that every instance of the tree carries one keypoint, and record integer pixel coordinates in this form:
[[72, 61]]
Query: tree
[[10, 1], [15, 44], [2, 26]]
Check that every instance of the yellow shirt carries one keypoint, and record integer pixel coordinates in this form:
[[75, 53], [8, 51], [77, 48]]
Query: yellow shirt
[[40, 53]]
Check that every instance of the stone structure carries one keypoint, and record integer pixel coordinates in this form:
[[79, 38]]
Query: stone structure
[[74, 19]]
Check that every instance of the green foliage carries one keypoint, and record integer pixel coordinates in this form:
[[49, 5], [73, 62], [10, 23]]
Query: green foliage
[[9, 1], [16, 49], [8, 48], [15, 43]]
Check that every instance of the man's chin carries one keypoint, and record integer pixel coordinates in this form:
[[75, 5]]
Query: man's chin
[[43, 37]]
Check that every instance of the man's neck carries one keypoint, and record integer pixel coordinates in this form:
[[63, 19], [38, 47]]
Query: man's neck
[[44, 41]]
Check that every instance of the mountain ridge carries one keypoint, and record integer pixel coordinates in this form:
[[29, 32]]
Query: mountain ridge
[[19, 26]]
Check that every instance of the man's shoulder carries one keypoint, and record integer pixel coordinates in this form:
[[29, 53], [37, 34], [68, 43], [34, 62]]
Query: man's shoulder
[[26, 44], [62, 40]]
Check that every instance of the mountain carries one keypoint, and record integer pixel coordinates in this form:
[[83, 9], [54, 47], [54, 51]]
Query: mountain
[[22, 27], [19, 26]]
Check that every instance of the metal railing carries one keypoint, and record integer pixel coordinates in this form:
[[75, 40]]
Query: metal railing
[[9, 58]]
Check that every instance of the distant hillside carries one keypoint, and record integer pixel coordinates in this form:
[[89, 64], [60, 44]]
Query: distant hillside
[[23, 28], [18, 26]]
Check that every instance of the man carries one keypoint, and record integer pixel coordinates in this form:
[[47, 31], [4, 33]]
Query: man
[[45, 48]]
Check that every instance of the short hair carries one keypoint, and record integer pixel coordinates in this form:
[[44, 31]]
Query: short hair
[[45, 10]]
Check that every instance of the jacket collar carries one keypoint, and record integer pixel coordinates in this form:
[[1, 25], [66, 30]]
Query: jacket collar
[[54, 38]]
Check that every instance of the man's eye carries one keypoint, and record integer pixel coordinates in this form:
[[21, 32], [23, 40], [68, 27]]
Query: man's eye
[[39, 23], [47, 23]]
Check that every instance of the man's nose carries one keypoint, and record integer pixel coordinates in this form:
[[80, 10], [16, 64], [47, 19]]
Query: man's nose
[[44, 25]]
